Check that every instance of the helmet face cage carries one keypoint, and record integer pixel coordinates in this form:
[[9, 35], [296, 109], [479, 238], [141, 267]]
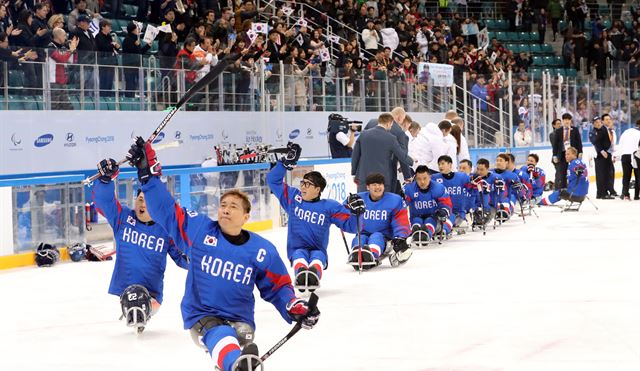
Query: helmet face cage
[[77, 251], [47, 257], [136, 305]]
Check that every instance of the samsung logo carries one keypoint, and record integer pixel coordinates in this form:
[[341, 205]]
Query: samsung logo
[[159, 138], [43, 140], [294, 134]]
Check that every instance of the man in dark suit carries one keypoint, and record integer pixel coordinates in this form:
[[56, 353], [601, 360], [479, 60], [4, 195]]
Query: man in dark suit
[[563, 138], [374, 151], [400, 126], [86, 51], [601, 143], [607, 122]]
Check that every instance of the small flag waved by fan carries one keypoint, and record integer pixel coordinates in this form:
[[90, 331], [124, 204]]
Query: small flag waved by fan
[[259, 27], [334, 39]]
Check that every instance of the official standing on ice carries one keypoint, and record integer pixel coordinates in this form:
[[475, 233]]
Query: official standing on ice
[[564, 137], [374, 151], [627, 149], [398, 130], [599, 137], [141, 246], [226, 263]]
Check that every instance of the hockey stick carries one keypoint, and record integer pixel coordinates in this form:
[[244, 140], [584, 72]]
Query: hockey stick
[[313, 302], [206, 80], [344, 239], [359, 245], [484, 223]]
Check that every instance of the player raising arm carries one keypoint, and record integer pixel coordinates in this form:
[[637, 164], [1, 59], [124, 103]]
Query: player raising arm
[[226, 262], [141, 246], [309, 219]]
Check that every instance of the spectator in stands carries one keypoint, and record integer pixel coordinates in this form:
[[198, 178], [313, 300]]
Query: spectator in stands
[[555, 10], [132, 51], [56, 21], [370, 37], [61, 56], [479, 92], [86, 49], [107, 50], [542, 25], [12, 57], [206, 6], [247, 10], [523, 136], [80, 9], [185, 60]]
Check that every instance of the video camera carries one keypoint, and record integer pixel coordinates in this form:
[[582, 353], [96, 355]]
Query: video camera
[[337, 124]]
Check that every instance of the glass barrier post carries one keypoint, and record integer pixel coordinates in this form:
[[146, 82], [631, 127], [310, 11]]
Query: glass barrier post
[[5, 88], [386, 95], [475, 122]]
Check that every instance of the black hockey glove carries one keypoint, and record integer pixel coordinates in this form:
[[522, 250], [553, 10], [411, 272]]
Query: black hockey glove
[[499, 184], [579, 170], [291, 158], [299, 311], [108, 169], [399, 244], [142, 156], [355, 204], [442, 215]]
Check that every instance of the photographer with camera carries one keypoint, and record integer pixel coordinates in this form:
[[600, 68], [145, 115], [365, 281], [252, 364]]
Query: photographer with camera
[[342, 135]]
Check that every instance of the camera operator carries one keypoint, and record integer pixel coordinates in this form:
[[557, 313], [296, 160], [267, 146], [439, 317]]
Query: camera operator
[[342, 135]]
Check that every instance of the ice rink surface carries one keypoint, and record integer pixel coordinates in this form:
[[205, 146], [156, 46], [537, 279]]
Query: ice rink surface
[[557, 293]]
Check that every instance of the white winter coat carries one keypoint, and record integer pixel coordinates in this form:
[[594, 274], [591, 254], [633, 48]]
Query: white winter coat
[[428, 146], [451, 146], [464, 149]]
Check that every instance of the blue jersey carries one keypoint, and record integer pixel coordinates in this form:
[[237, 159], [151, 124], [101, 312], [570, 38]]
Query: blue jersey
[[424, 202], [510, 178], [309, 221], [489, 196], [141, 248], [388, 216], [456, 187], [536, 179], [221, 275], [578, 185]]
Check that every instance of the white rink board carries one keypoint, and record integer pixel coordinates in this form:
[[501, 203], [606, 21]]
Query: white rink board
[[59, 141]]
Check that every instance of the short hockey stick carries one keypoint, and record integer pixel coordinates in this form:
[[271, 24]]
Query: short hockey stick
[[206, 80], [313, 302]]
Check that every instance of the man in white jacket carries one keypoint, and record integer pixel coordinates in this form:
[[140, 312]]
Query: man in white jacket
[[429, 146], [451, 144], [523, 136], [628, 149]]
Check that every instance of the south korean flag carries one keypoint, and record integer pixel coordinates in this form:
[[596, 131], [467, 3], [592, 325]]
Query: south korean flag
[[252, 35], [325, 55], [210, 241], [287, 10], [302, 22], [334, 39], [300, 39], [259, 28]]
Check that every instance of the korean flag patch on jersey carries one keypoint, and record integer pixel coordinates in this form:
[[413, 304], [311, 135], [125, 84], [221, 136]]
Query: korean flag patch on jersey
[[415, 195], [192, 214], [298, 198], [210, 241], [131, 220]]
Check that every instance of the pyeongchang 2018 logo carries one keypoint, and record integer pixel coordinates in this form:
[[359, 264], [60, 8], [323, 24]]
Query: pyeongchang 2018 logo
[[43, 140], [17, 143]]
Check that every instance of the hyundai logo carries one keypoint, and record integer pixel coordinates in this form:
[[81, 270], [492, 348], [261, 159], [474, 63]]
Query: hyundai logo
[[69, 137], [159, 138], [178, 135], [294, 134], [43, 140]]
